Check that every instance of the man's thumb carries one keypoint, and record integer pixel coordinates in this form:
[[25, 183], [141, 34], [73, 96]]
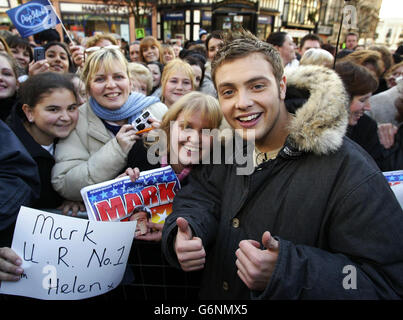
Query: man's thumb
[[183, 228], [269, 242]]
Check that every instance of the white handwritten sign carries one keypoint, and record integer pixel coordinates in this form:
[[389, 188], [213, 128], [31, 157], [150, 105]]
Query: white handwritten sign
[[67, 258]]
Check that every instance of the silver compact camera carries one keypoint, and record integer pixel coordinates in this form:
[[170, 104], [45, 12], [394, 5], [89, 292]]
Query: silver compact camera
[[141, 122]]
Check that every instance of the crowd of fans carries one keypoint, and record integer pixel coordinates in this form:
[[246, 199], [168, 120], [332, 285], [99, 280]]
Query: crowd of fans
[[68, 117]]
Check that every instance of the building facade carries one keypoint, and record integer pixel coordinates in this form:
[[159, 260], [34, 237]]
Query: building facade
[[183, 19]]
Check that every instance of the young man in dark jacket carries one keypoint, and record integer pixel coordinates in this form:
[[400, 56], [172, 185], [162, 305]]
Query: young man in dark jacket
[[315, 219]]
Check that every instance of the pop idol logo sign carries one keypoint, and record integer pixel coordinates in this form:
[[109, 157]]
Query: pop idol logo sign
[[32, 15]]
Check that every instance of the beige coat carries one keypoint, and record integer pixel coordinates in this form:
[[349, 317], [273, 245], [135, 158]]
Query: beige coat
[[90, 154]]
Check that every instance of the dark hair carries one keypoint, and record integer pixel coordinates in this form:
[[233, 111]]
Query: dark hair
[[49, 35], [352, 34], [310, 36], [357, 79], [196, 59], [277, 38], [159, 64], [330, 48], [72, 67], [216, 34], [16, 41], [33, 89], [200, 48]]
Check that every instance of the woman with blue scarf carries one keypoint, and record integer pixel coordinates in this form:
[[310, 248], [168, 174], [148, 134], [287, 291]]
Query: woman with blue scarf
[[98, 149]]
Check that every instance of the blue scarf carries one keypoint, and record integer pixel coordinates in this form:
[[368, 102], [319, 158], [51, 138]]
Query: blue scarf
[[131, 109]]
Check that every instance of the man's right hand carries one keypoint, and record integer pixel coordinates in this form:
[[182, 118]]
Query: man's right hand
[[189, 249]]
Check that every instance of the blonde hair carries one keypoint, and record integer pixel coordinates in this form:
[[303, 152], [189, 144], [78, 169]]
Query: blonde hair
[[148, 42], [167, 47], [317, 56], [173, 66], [188, 105], [105, 57], [141, 73], [91, 42]]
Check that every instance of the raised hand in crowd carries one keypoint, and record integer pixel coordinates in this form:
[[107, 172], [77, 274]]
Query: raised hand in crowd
[[10, 265], [189, 250], [256, 265], [127, 137], [36, 67], [386, 133], [77, 54], [72, 206]]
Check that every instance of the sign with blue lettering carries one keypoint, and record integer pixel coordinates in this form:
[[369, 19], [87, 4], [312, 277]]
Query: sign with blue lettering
[[33, 17]]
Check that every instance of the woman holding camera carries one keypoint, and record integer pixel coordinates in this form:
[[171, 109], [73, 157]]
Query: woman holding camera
[[56, 58], [98, 149]]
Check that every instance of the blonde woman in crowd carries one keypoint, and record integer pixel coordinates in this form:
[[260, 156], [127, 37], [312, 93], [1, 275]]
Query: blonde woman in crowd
[[98, 149], [177, 80], [141, 77]]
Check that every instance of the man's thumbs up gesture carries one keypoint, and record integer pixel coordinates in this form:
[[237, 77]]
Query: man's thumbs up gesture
[[189, 249], [255, 266]]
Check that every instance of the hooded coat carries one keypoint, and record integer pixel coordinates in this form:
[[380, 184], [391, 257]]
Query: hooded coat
[[339, 225]]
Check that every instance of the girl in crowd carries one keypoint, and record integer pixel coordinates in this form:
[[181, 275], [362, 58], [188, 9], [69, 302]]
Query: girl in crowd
[[283, 42], [8, 84], [177, 80], [214, 42], [186, 146], [150, 50], [98, 149], [49, 112], [198, 65], [156, 69], [57, 59], [22, 52], [360, 83], [168, 53], [203, 83], [141, 78]]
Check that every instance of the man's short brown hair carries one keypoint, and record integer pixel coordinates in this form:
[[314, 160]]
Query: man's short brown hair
[[240, 44]]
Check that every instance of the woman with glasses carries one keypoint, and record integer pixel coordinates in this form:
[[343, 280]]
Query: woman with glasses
[[104, 141]]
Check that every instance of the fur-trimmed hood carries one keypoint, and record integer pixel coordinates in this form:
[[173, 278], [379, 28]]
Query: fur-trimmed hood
[[318, 98]]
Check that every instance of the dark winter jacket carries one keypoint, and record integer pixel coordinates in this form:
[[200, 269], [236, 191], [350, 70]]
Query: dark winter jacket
[[365, 133], [5, 107], [323, 198], [49, 198], [19, 181]]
